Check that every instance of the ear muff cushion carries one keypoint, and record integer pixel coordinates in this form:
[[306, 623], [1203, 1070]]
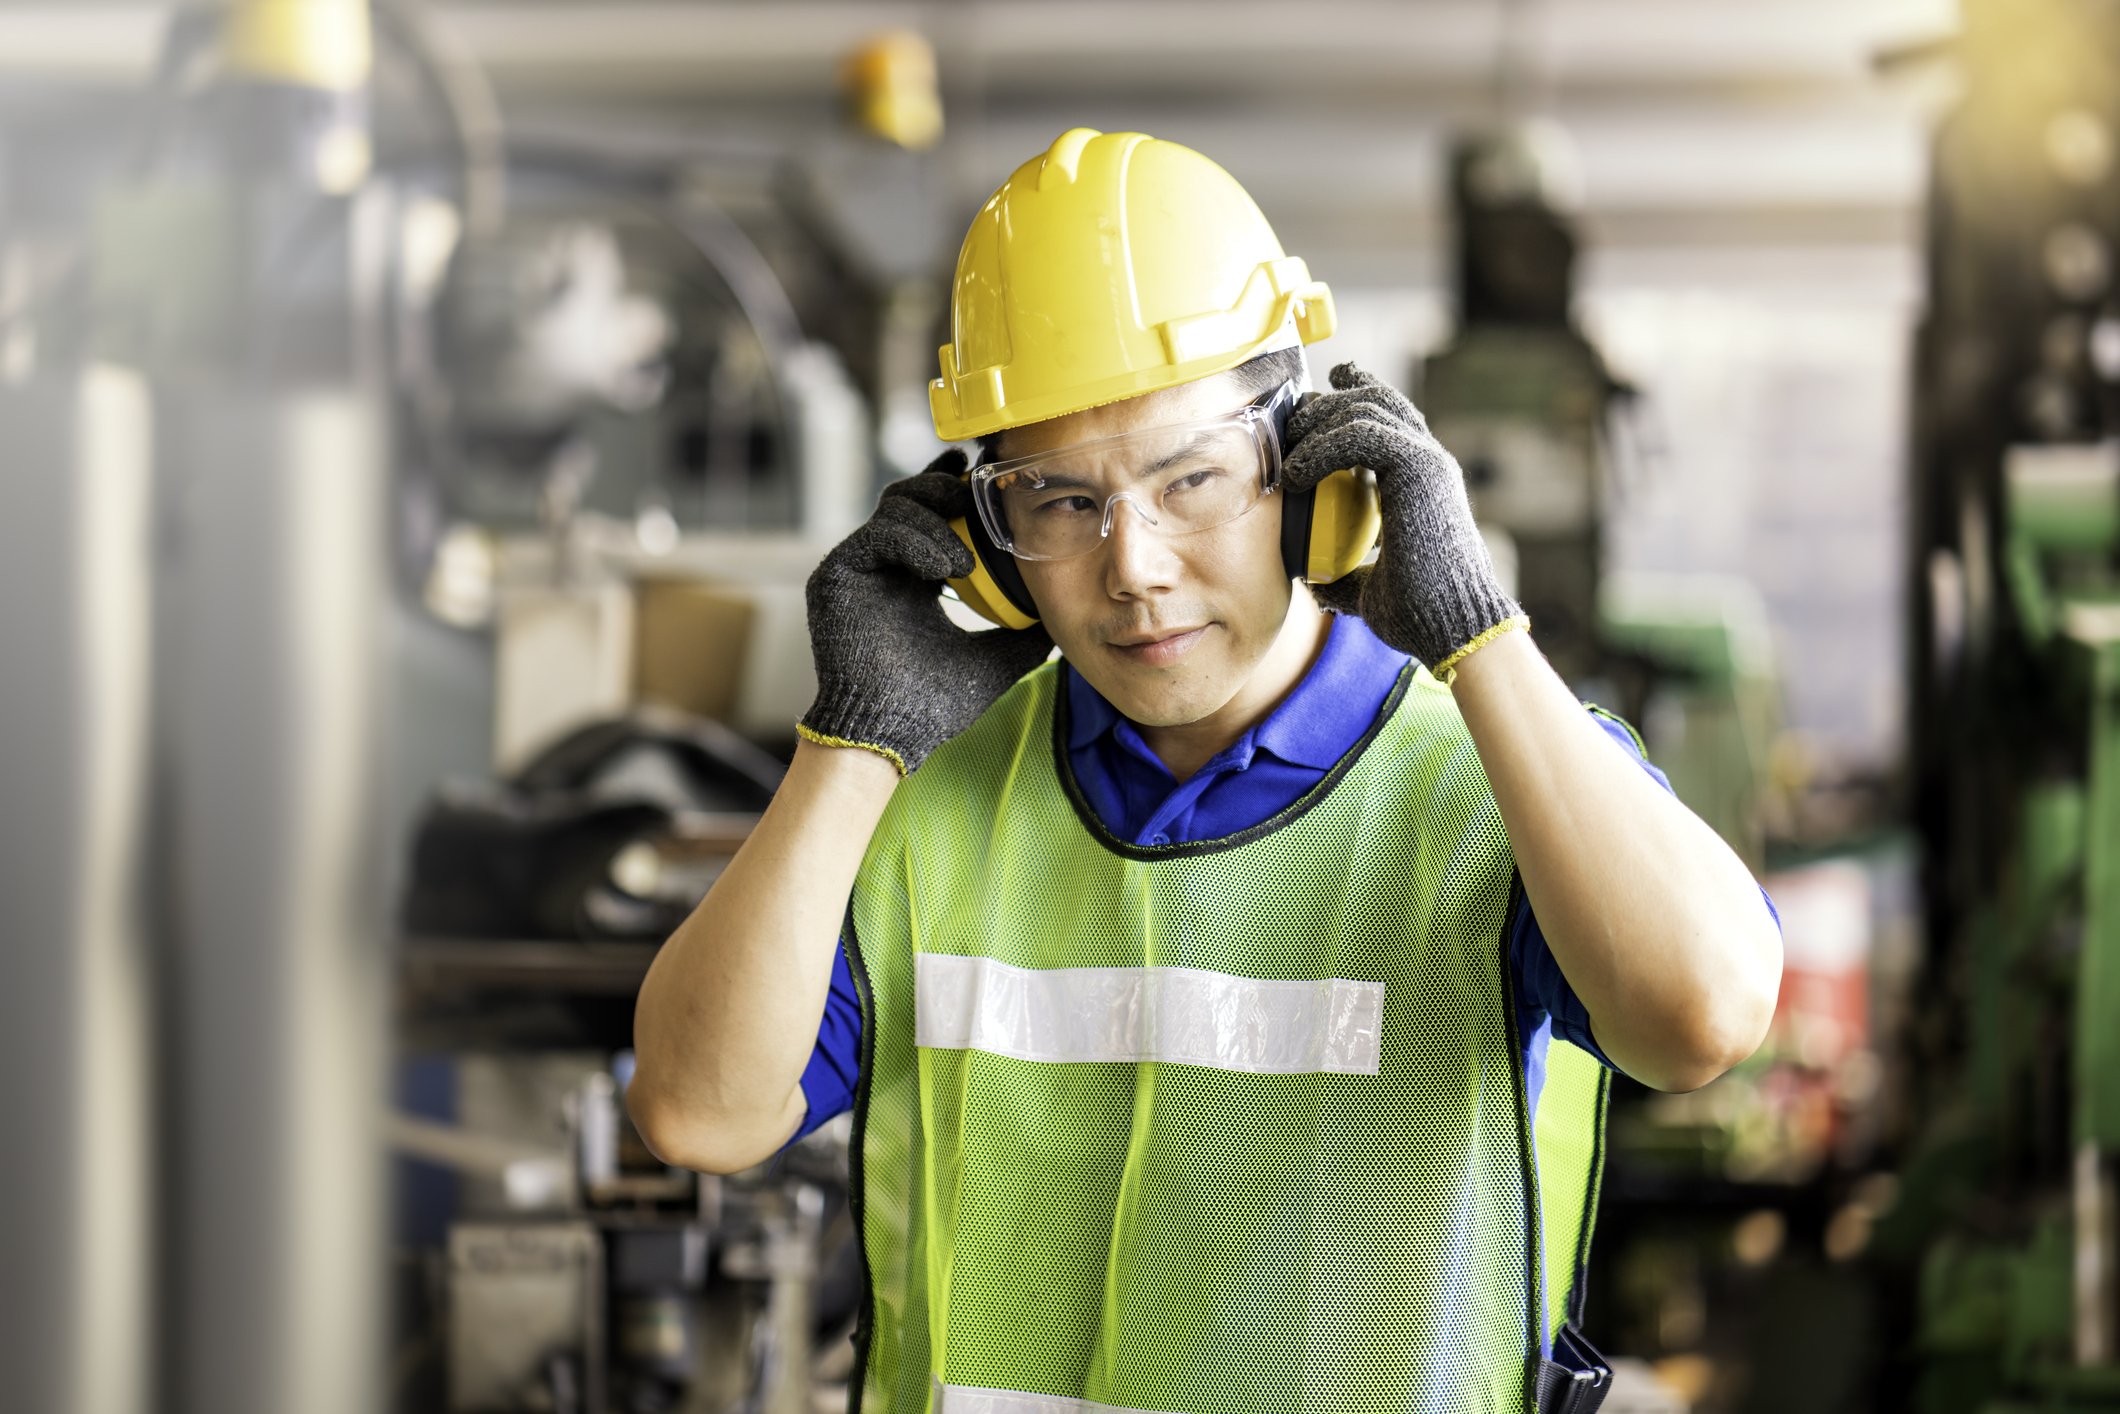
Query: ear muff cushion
[[1001, 567], [1298, 509]]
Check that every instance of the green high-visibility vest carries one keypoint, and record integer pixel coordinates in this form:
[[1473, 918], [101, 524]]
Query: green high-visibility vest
[[1235, 1126]]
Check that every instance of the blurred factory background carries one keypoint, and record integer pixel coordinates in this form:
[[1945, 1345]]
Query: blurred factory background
[[418, 420]]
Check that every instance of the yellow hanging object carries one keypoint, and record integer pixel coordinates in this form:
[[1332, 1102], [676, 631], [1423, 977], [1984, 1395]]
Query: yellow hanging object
[[1116, 264], [892, 90], [323, 44]]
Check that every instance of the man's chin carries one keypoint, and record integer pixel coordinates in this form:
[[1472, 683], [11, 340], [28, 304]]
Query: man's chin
[[1167, 697], [1169, 708]]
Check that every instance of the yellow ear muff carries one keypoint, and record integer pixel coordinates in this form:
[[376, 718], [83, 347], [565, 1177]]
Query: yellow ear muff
[[1344, 522], [978, 590]]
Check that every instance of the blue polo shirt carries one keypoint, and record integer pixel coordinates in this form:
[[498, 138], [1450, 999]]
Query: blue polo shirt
[[1261, 773]]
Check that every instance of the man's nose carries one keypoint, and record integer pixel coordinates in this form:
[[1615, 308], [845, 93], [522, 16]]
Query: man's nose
[[1138, 558], [1112, 503]]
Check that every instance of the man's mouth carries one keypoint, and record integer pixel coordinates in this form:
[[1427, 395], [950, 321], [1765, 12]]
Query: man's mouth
[[1159, 649]]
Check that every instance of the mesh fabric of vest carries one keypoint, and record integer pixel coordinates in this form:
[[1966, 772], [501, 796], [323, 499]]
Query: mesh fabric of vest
[[1147, 1235]]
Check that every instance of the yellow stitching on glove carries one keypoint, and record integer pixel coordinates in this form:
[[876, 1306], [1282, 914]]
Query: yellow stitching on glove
[[1445, 672], [884, 751]]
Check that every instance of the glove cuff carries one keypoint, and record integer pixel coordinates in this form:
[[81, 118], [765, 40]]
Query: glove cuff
[[1446, 671], [1451, 622], [849, 717]]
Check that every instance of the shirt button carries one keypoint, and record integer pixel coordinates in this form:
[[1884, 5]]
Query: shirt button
[[1159, 839]]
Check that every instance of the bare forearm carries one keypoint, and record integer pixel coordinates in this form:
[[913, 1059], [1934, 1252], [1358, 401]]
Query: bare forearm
[[1656, 924], [728, 1015]]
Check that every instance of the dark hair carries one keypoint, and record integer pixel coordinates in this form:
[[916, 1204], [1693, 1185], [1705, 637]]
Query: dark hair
[[1253, 376]]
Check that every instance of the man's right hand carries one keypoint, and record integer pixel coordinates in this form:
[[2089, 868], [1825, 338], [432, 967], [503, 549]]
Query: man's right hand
[[894, 675], [728, 1015]]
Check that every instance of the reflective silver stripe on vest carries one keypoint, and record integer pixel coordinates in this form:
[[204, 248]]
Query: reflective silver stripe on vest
[[1186, 1015], [963, 1399]]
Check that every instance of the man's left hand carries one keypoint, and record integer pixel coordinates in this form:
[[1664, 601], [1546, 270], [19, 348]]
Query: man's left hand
[[1433, 588]]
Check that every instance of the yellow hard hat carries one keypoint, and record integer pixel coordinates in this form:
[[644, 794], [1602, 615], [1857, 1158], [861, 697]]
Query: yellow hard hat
[[1113, 265]]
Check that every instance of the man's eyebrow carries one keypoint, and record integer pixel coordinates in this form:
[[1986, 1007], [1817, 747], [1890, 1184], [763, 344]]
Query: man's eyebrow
[[1061, 480], [1184, 449], [1177, 454]]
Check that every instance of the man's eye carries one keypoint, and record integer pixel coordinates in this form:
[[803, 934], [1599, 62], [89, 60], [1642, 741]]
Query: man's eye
[[1066, 505], [1194, 481]]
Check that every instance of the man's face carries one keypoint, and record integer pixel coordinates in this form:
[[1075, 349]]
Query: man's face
[[1169, 629]]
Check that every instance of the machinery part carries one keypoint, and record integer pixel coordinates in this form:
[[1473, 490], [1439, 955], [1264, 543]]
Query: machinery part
[[508, 328], [531, 1176], [496, 864], [1704, 645], [273, 915], [1515, 191], [2015, 497], [537, 327], [526, 1318], [677, 761], [2097, 1020], [473, 109], [1046, 319], [1519, 395], [75, 1028], [657, 1277], [2097, 1284], [784, 1336], [577, 844], [270, 479]]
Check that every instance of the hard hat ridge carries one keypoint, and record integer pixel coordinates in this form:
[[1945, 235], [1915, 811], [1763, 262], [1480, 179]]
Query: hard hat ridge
[[1112, 265]]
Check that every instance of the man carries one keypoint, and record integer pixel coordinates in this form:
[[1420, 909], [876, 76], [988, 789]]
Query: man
[[1209, 977]]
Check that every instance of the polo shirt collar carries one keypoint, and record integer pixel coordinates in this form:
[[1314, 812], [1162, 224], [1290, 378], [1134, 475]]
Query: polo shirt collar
[[1337, 700]]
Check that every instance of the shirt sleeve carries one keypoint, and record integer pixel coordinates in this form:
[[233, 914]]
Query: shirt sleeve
[[1538, 976], [829, 1079]]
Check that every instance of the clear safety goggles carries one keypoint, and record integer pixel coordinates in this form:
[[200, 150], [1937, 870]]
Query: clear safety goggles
[[1181, 479]]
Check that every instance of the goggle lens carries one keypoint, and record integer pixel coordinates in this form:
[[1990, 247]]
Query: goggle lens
[[1182, 480]]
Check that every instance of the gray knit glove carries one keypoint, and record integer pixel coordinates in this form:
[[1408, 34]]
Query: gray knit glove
[[894, 675], [1432, 590]]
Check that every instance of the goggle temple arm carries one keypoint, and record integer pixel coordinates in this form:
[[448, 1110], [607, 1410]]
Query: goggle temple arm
[[1277, 404]]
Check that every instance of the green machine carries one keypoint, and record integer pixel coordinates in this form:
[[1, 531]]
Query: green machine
[[2006, 1217], [1519, 394], [1524, 399], [2010, 1199]]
